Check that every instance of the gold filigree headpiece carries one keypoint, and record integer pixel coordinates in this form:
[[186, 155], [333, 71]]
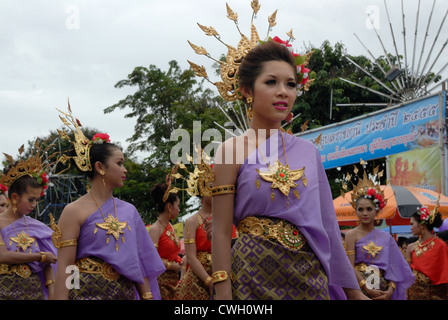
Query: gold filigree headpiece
[[229, 86], [366, 187], [34, 166], [81, 144]]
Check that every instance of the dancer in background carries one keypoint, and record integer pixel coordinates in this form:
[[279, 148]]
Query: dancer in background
[[26, 250], [104, 237], [165, 239], [428, 257], [379, 264]]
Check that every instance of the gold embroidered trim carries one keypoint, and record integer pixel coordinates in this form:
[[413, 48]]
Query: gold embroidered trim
[[89, 265], [282, 231], [224, 189], [22, 270]]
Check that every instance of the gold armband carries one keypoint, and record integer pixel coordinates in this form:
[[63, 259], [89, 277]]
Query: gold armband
[[2, 243], [350, 252], [219, 276], [48, 282], [189, 241], [224, 189], [43, 257], [68, 243], [147, 296]]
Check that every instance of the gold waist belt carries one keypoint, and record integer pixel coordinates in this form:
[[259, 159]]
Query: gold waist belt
[[278, 230], [22, 270], [204, 257], [97, 266]]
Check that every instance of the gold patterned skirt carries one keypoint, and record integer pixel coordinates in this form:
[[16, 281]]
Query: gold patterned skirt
[[17, 282], [423, 289], [271, 260], [168, 282], [98, 280], [191, 287]]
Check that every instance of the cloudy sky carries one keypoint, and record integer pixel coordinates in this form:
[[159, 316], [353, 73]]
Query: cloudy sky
[[54, 50]]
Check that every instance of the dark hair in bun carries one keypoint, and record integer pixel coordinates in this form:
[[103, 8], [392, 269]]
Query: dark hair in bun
[[157, 193], [435, 224]]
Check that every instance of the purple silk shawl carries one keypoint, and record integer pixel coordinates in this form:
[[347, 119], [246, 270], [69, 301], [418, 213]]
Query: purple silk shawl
[[389, 259], [41, 233], [313, 214], [136, 258]]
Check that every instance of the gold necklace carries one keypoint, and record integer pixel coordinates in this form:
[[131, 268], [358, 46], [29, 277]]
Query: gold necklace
[[111, 224], [23, 240], [169, 233], [372, 247], [281, 176], [423, 247]]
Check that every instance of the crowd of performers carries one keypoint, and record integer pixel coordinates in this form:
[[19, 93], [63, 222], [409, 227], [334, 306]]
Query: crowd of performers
[[267, 227]]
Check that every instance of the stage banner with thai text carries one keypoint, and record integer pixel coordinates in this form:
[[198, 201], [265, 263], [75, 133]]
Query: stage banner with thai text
[[419, 168], [396, 129]]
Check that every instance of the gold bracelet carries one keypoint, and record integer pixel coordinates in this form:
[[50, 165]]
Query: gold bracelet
[[43, 257], [219, 276], [147, 296], [207, 281], [362, 283], [48, 282], [2, 243], [391, 284]]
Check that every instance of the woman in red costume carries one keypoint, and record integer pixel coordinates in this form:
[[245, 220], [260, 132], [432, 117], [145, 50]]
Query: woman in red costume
[[164, 237], [428, 257]]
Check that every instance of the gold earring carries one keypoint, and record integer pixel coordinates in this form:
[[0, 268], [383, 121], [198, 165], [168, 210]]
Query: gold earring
[[102, 173], [250, 111], [14, 206]]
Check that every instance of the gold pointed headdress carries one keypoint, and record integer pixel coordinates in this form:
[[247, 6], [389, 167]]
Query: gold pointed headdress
[[197, 180], [366, 187], [425, 215], [34, 166], [229, 86], [81, 144]]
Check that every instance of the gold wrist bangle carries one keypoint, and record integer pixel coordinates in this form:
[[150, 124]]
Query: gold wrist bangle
[[362, 283], [147, 296], [43, 257], [48, 282], [168, 265], [219, 276], [391, 284], [207, 281]]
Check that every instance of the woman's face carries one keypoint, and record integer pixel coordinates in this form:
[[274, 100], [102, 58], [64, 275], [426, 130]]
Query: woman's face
[[416, 228], [366, 212], [174, 209], [274, 91], [115, 170], [3, 203], [27, 202]]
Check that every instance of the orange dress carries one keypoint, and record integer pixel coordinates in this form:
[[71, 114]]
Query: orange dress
[[430, 267], [168, 248]]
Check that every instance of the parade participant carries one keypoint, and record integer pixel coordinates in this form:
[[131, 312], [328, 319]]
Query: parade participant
[[104, 237], [26, 249], [379, 264], [3, 198], [272, 185], [428, 257], [165, 239]]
